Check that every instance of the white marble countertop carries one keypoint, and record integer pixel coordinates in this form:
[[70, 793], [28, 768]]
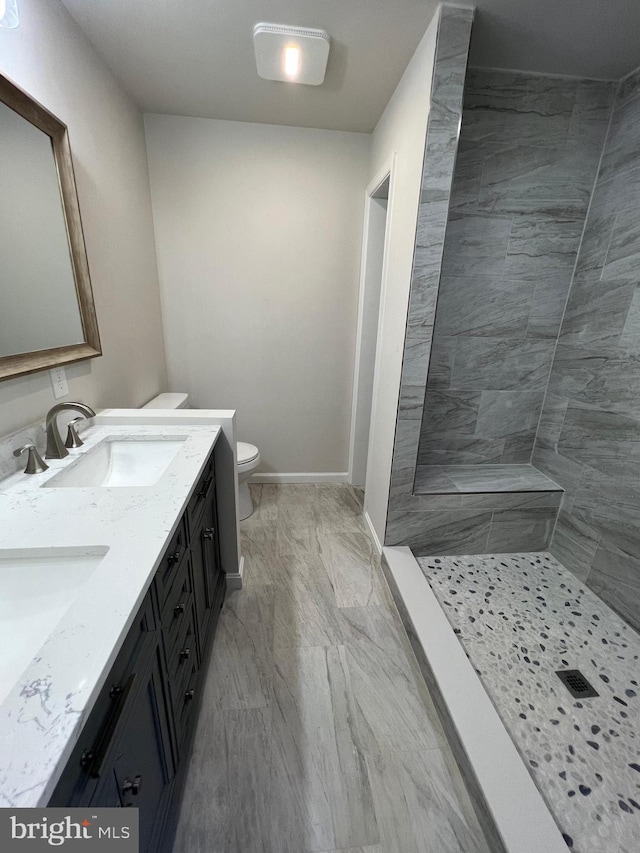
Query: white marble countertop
[[42, 716]]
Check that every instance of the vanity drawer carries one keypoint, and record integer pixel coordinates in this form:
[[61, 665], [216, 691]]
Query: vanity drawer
[[198, 499], [171, 561], [177, 608]]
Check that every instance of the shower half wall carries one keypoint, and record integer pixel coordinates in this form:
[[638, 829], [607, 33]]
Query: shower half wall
[[526, 164]]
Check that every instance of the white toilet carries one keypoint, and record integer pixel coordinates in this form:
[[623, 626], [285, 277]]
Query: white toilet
[[248, 455]]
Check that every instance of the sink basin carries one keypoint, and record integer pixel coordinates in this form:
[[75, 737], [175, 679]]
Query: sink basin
[[120, 461], [37, 587]]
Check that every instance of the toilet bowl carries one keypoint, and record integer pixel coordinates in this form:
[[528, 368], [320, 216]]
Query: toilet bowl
[[247, 455]]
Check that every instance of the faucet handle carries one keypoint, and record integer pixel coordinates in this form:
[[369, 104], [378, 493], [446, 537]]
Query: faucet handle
[[35, 463], [73, 439]]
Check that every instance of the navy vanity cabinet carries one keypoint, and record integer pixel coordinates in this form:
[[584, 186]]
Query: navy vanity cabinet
[[134, 747], [208, 577]]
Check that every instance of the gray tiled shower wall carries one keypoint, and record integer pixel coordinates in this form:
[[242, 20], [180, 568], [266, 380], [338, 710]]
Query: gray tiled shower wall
[[589, 438], [526, 164]]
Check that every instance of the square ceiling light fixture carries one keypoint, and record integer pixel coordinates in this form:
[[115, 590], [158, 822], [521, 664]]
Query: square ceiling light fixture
[[294, 54]]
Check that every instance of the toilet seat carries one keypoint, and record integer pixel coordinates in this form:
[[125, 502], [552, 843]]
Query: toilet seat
[[246, 452]]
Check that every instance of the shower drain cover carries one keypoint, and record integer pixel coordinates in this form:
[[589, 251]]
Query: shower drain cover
[[576, 683]]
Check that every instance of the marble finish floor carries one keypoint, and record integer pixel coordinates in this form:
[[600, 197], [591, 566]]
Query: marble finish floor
[[520, 618], [317, 732], [469, 479]]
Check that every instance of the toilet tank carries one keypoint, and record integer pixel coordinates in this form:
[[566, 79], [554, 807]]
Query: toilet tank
[[168, 401]]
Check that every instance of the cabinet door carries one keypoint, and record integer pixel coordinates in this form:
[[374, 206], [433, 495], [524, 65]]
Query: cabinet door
[[139, 770], [207, 572]]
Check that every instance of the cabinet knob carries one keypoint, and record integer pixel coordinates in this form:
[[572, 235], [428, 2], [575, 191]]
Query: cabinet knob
[[185, 654], [208, 532], [174, 558], [132, 786], [179, 609], [189, 695]]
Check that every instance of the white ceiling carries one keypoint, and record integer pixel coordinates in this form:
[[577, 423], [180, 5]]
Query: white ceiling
[[195, 57]]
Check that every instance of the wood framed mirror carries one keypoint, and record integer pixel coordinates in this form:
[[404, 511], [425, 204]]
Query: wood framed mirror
[[47, 312]]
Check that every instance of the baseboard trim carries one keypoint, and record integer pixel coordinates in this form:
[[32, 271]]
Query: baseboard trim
[[311, 477], [234, 579], [372, 532]]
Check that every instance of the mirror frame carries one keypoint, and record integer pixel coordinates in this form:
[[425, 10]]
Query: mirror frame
[[30, 362]]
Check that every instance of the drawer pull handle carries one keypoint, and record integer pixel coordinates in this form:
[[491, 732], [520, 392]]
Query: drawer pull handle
[[189, 695], [185, 654], [179, 609], [209, 533], [174, 558], [203, 491], [132, 786]]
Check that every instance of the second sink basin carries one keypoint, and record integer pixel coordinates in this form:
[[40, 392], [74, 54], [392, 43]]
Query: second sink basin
[[120, 461], [37, 587]]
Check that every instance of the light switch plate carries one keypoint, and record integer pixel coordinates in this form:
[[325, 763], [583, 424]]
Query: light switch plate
[[59, 382]]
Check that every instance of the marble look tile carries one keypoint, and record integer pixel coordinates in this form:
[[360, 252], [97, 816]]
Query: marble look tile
[[206, 810], [353, 567], [423, 297], [611, 508], [442, 138], [615, 577], [566, 472], [551, 420], [337, 507], [621, 151], [451, 61], [393, 710], [518, 447], [445, 449], [446, 532], [467, 178], [629, 339], [499, 478], [501, 364], [503, 413], [511, 500], [596, 310], [521, 530], [535, 181], [242, 659], [415, 811], [547, 307], [574, 544], [476, 244], [449, 409], [259, 549], [417, 347], [607, 441], [430, 235], [407, 438], [248, 747], [527, 108], [613, 386], [592, 111], [623, 258], [542, 247], [575, 366], [265, 501], [432, 478], [441, 362], [483, 306], [305, 606], [321, 797], [629, 88]]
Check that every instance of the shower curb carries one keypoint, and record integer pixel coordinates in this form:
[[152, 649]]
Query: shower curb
[[512, 813]]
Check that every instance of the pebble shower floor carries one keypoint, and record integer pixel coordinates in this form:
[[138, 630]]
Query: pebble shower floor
[[521, 618]]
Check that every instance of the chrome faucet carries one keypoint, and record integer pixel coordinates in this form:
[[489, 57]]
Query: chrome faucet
[[55, 447]]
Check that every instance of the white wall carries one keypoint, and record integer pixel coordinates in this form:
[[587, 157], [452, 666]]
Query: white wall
[[50, 58], [258, 233], [401, 129]]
